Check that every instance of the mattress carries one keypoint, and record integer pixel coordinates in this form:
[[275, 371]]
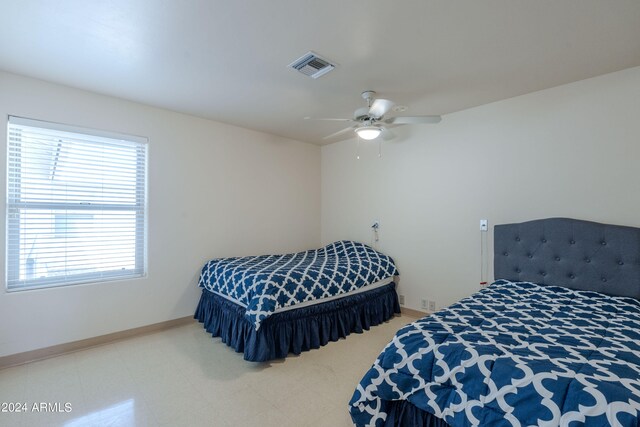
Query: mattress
[[513, 354]]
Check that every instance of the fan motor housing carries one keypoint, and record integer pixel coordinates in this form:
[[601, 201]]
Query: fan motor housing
[[361, 114]]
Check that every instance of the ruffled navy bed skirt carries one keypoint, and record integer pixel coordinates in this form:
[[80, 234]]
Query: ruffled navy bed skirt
[[298, 330], [401, 413]]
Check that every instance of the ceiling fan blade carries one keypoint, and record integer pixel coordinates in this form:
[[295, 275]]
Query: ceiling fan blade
[[340, 132], [380, 107], [413, 120], [387, 135], [331, 119]]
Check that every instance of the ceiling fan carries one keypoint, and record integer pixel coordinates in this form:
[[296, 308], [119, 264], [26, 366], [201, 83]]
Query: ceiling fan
[[370, 121]]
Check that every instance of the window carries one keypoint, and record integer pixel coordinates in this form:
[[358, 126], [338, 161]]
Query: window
[[75, 205]]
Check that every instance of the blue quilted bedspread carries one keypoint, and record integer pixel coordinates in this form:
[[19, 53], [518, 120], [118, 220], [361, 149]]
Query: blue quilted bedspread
[[264, 284], [514, 354]]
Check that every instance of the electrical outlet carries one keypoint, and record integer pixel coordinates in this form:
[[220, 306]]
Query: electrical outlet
[[423, 304], [401, 299], [432, 306]]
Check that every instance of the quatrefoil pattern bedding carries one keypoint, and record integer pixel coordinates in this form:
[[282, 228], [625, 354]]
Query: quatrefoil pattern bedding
[[514, 354], [264, 284]]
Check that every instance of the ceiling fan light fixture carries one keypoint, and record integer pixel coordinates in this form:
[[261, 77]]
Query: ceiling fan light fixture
[[368, 132]]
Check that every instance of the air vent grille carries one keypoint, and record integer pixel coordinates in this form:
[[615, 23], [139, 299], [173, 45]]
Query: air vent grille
[[312, 65]]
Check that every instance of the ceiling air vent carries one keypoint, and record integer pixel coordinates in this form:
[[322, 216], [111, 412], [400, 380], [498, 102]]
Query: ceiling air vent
[[312, 65]]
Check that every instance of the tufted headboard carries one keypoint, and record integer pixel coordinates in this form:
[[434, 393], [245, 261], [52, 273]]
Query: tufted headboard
[[572, 253]]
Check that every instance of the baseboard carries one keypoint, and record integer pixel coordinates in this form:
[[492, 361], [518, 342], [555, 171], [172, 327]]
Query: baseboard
[[57, 350], [413, 313]]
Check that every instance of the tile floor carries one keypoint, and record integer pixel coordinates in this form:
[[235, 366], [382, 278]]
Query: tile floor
[[183, 377]]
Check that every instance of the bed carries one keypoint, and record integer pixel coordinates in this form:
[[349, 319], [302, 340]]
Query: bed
[[555, 340], [272, 305]]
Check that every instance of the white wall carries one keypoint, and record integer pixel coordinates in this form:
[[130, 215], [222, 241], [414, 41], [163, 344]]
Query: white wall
[[571, 151], [219, 190], [214, 190]]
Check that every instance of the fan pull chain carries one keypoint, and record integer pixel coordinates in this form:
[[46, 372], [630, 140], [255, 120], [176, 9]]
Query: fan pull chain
[[379, 148], [357, 148]]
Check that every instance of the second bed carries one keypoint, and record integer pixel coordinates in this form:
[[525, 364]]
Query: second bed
[[272, 305]]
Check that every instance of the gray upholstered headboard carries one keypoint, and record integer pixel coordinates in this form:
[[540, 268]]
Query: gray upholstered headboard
[[572, 253]]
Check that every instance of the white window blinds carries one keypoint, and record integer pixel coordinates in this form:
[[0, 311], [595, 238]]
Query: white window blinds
[[75, 205]]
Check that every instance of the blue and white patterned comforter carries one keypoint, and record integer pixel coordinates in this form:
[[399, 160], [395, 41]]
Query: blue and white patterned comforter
[[514, 354], [264, 284]]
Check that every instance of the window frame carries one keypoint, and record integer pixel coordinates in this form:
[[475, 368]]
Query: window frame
[[14, 228]]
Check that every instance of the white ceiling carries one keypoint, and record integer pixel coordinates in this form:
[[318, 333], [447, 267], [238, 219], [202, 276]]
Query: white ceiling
[[227, 60]]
